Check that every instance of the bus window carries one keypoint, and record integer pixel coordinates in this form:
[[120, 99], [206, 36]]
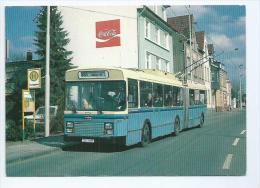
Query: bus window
[[168, 95], [203, 97], [197, 97], [176, 92], [87, 96], [132, 93], [72, 99], [157, 95], [146, 94], [191, 97], [96, 96]]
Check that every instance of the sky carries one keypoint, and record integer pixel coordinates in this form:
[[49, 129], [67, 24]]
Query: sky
[[20, 30], [224, 27]]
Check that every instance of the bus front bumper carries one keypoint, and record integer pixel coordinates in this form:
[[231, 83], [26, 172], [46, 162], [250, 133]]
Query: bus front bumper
[[118, 140]]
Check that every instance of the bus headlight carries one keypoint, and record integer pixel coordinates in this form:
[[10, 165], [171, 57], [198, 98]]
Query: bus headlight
[[70, 124], [108, 128], [69, 130], [69, 127], [108, 125], [109, 132]]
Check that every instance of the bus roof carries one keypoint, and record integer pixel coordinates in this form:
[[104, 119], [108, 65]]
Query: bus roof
[[150, 75]]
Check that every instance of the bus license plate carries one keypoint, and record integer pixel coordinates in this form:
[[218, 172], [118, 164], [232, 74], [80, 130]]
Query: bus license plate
[[85, 140]]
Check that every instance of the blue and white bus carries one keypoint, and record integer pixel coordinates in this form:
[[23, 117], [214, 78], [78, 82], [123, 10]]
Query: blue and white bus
[[128, 106]]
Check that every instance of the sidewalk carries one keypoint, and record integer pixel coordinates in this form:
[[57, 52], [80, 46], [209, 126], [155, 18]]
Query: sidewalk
[[22, 150]]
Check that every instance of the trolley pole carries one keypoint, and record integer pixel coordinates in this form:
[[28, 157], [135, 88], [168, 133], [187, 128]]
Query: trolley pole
[[47, 77]]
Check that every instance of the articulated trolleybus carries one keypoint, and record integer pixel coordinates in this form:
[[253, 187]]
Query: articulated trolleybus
[[128, 106]]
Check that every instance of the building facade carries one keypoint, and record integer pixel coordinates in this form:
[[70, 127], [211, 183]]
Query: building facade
[[196, 53], [193, 55], [119, 36], [221, 86], [229, 98], [203, 47], [155, 39]]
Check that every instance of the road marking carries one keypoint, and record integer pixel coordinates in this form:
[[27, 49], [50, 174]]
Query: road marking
[[227, 162], [235, 142], [243, 132]]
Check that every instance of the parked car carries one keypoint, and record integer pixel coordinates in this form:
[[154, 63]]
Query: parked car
[[40, 113]]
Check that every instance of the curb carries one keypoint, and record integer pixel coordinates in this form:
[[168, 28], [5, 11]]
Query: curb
[[40, 153]]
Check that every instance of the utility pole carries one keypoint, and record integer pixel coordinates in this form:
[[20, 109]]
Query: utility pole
[[240, 89], [47, 77], [185, 78], [190, 32]]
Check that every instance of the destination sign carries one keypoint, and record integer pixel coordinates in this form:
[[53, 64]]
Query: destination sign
[[93, 74]]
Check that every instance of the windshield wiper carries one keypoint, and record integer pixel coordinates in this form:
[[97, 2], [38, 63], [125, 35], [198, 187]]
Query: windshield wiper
[[99, 104]]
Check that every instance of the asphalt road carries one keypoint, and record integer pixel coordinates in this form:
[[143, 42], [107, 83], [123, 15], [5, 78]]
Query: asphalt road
[[219, 149]]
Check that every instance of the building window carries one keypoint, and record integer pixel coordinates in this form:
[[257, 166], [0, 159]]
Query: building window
[[157, 30], [148, 61], [147, 29], [163, 39], [167, 40]]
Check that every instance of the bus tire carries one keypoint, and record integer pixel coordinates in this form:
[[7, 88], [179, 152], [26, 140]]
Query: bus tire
[[177, 127], [146, 135], [201, 120]]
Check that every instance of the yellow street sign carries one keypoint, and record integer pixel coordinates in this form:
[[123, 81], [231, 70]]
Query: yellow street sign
[[34, 78]]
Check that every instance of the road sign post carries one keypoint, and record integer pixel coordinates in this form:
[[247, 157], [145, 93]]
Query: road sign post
[[34, 82], [28, 105]]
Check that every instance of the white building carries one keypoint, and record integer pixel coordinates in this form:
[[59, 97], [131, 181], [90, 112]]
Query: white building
[[229, 99], [203, 46], [119, 36]]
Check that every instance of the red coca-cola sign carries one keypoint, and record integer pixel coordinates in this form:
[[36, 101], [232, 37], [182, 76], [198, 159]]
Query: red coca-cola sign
[[108, 33]]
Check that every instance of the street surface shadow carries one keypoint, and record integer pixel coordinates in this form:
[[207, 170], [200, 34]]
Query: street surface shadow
[[52, 141], [102, 148], [109, 148], [57, 141]]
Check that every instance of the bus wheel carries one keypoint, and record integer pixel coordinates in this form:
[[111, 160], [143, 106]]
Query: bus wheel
[[146, 135], [177, 127], [201, 120]]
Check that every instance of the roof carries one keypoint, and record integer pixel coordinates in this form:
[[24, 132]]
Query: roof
[[180, 24], [149, 75], [200, 39]]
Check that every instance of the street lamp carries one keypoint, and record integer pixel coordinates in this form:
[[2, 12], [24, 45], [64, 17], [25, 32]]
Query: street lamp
[[240, 91], [47, 77]]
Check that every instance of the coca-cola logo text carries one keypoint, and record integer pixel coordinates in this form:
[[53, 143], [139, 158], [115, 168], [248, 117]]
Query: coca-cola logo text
[[107, 33]]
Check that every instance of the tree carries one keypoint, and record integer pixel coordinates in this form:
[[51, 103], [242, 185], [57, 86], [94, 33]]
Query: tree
[[59, 57], [14, 105]]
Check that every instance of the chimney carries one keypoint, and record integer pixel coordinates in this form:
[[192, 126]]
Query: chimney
[[29, 56]]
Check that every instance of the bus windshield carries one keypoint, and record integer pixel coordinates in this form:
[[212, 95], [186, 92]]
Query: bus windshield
[[96, 96]]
